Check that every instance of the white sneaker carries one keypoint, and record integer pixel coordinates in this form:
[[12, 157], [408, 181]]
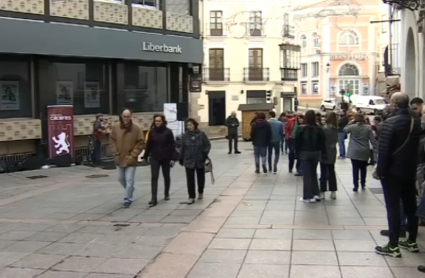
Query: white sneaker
[[313, 200], [322, 195], [307, 201], [333, 195], [316, 198]]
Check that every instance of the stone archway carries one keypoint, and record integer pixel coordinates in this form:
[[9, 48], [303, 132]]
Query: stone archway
[[410, 67]]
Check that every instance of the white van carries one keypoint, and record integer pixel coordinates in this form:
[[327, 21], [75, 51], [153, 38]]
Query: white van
[[370, 104]]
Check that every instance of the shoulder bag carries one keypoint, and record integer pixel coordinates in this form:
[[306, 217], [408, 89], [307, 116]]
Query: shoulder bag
[[374, 172]]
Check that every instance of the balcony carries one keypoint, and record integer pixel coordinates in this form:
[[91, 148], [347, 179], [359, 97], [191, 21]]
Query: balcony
[[256, 74], [215, 30], [216, 75], [100, 13], [289, 74]]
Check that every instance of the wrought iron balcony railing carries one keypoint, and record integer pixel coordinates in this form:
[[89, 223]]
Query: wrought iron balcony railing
[[216, 74], [256, 74]]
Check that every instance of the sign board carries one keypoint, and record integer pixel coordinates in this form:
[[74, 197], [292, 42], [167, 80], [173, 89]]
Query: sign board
[[9, 95], [195, 82], [91, 95], [148, 46], [60, 130], [170, 112], [352, 56], [64, 93]]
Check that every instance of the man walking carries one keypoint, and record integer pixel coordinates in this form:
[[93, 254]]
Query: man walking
[[98, 133], [397, 162], [343, 122], [232, 124], [126, 141], [260, 134], [276, 135]]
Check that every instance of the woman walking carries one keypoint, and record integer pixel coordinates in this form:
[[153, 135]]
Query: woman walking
[[283, 144], [310, 145], [161, 148], [327, 166], [194, 152], [361, 136]]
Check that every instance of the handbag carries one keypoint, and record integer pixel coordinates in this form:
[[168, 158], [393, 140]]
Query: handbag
[[209, 169], [374, 172]]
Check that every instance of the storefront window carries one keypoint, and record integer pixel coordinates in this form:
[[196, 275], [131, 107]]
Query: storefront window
[[145, 88], [83, 85], [15, 90]]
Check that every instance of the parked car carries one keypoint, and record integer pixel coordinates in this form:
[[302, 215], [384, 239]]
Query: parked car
[[328, 104], [370, 104]]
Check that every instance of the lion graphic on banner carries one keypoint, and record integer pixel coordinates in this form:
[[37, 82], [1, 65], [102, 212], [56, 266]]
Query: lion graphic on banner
[[61, 143]]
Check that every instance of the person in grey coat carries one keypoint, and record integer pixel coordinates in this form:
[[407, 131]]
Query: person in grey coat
[[327, 166], [361, 136], [232, 124], [195, 148]]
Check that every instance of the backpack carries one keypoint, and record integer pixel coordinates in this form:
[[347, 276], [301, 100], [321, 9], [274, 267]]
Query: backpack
[[290, 126]]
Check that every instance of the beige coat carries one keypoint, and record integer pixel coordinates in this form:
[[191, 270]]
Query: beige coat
[[125, 145]]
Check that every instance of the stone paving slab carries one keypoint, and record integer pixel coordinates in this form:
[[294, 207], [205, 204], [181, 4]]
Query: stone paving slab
[[248, 225]]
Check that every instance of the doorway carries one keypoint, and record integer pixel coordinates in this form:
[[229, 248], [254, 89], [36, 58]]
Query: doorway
[[216, 107]]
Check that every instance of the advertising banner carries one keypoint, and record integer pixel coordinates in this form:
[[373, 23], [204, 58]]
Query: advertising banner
[[60, 123], [9, 95]]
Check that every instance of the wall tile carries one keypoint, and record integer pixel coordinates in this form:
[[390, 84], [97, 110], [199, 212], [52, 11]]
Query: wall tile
[[25, 129], [149, 18], [111, 12], [23, 6], [78, 9], [180, 23]]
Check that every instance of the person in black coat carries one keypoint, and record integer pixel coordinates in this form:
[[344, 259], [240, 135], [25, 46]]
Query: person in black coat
[[232, 124], [161, 148], [261, 134], [397, 164]]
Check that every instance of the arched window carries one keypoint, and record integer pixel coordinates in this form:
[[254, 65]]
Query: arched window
[[303, 41], [348, 70], [316, 40], [348, 37]]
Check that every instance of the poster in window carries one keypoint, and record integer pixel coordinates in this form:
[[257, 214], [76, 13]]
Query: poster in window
[[315, 87], [64, 93], [91, 95], [304, 88], [9, 95]]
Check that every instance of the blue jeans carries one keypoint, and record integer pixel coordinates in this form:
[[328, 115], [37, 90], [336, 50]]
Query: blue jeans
[[126, 178], [273, 146], [283, 144], [260, 152], [341, 143]]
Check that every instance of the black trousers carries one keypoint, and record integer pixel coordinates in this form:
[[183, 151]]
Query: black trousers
[[394, 190], [233, 138], [291, 156], [327, 173], [155, 165], [309, 162], [359, 166], [190, 176]]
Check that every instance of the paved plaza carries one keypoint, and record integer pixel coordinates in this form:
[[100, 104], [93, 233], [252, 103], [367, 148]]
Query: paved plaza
[[68, 225]]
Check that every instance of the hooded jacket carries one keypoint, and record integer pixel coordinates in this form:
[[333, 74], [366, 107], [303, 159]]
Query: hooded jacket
[[261, 133]]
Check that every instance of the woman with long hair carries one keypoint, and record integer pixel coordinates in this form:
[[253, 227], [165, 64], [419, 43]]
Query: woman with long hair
[[161, 148], [361, 137], [194, 152], [283, 144], [327, 165], [310, 145]]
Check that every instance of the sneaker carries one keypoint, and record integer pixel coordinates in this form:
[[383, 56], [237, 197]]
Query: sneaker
[[421, 268], [189, 201], [308, 200], [355, 189], [333, 195], [275, 169], [313, 200], [322, 195], [127, 203], [200, 196], [298, 174], [265, 169], [237, 152], [387, 250], [410, 246], [257, 171]]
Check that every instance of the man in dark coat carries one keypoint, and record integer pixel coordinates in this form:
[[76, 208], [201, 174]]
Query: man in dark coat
[[397, 163], [232, 124], [261, 134]]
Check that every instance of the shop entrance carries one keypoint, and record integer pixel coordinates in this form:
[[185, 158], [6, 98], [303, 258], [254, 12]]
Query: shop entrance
[[216, 107]]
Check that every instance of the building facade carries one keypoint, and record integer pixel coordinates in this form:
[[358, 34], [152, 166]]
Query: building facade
[[130, 53], [338, 49], [406, 39], [243, 58]]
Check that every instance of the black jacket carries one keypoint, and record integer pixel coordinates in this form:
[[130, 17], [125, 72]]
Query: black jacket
[[161, 144], [310, 138], [393, 134], [232, 124], [261, 133], [343, 121]]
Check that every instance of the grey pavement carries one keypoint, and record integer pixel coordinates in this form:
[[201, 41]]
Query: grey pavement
[[248, 225]]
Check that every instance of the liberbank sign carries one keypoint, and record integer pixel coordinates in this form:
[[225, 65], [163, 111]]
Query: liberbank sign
[[163, 48]]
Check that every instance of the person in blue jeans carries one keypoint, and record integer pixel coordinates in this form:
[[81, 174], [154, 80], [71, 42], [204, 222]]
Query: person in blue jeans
[[260, 135], [343, 121], [276, 136]]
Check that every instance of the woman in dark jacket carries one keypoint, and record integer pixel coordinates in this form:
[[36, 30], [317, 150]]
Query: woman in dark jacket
[[310, 145], [194, 152], [161, 148], [327, 166]]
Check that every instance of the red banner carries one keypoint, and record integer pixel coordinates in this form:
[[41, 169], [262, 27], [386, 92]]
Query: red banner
[[60, 130]]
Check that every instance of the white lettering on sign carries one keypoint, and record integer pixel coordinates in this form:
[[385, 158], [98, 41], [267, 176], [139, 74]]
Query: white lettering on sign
[[59, 117], [148, 46], [354, 56]]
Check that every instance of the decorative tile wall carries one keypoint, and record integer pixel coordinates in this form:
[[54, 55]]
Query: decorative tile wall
[[16, 129], [180, 23], [111, 12], [23, 6], [147, 17], [83, 124], [78, 9]]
